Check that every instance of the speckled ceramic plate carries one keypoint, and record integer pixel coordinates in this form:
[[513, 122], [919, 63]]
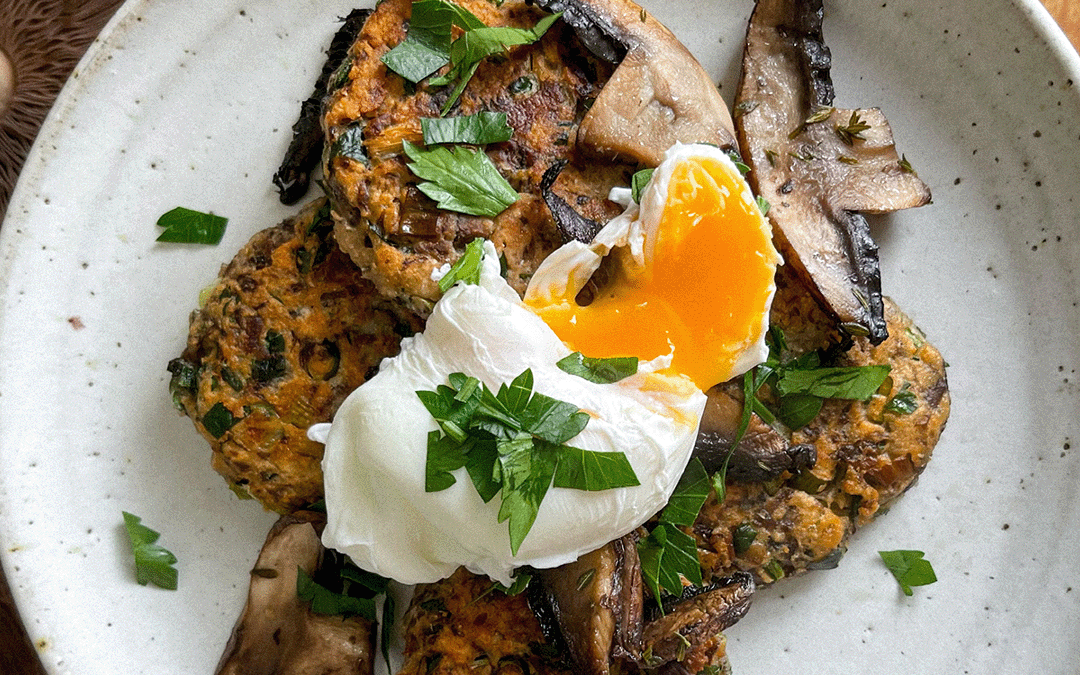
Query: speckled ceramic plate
[[191, 106]]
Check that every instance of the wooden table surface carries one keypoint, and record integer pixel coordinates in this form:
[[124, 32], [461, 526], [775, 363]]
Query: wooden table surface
[[17, 656]]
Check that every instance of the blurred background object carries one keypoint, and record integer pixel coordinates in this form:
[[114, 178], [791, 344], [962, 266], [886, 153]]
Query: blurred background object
[[41, 41]]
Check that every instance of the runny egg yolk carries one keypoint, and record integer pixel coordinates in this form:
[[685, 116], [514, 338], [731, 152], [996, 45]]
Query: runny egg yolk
[[704, 292]]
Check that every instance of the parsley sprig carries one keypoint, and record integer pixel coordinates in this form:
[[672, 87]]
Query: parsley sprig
[[460, 179], [187, 226], [429, 45], [153, 564], [909, 568], [513, 442], [800, 385], [668, 554]]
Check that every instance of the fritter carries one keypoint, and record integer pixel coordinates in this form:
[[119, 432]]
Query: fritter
[[867, 452], [465, 625], [395, 233], [289, 329]]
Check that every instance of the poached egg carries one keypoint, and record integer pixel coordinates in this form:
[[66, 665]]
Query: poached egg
[[689, 293]]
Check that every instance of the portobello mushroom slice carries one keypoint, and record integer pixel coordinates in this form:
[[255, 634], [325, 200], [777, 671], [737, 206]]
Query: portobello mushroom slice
[[763, 453], [305, 149], [818, 166], [597, 603], [658, 95], [277, 633], [687, 638]]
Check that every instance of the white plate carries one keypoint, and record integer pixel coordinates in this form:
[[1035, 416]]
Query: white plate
[[182, 105]]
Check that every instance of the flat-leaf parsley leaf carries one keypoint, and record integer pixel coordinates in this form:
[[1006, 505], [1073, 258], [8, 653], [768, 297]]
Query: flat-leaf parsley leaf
[[910, 568], [513, 442], [460, 179], [185, 226], [153, 564]]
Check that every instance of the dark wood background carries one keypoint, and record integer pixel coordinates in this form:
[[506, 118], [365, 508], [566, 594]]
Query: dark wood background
[[17, 654]]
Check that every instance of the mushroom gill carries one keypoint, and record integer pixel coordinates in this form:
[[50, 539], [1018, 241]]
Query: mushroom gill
[[40, 43]]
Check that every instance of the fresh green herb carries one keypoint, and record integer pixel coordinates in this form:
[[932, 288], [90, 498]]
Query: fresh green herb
[[819, 114], [750, 388], [184, 226], [153, 564], [467, 268], [771, 155], [844, 159], [599, 370], [461, 179], [905, 165], [480, 129], [585, 579], [763, 205], [269, 369], [479, 42], [852, 131], [745, 107], [638, 183], [743, 538], [798, 410], [218, 419], [737, 160], [325, 601], [667, 556], [668, 553], [909, 568], [518, 585], [690, 494], [774, 569], [856, 383], [275, 342], [350, 143], [426, 47], [232, 379], [904, 402], [514, 442]]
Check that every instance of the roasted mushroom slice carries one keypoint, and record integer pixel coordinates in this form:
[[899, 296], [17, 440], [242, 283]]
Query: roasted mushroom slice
[[305, 149], [819, 167], [659, 94], [277, 633], [687, 638], [597, 602], [763, 453]]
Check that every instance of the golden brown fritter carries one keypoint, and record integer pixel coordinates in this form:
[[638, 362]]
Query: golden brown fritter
[[393, 231], [464, 626], [287, 332], [868, 453]]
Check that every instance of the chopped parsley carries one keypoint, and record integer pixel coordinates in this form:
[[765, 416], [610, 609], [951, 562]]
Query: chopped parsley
[[185, 226], [429, 45], [638, 183], [480, 129], [460, 179], [153, 564], [426, 47], [467, 268], [513, 442], [668, 554], [910, 568], [800, 386], [599, 371]]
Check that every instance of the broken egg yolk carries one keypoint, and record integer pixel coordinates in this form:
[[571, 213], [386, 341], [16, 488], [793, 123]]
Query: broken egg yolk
[[704, 291]]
